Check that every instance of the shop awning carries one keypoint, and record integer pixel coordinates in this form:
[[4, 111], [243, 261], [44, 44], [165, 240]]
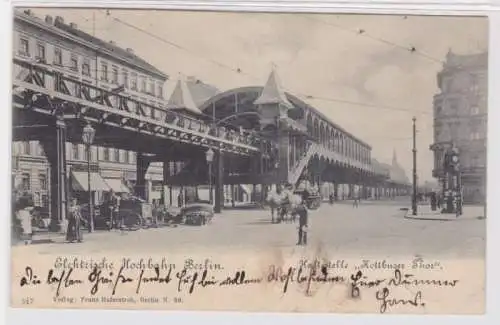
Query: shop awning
[[117, 185], [79, 182]]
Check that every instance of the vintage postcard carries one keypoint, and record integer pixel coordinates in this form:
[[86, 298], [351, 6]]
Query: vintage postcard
[[224, 161]]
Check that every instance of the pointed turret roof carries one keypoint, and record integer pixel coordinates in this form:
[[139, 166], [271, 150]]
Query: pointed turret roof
[[272, 92], [182, 98]]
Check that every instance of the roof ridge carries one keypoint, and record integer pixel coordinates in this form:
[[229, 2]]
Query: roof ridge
[[182, 98], [120, 53], [273, 93]]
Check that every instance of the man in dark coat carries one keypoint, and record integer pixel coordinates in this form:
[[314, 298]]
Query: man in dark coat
[[302, 212]]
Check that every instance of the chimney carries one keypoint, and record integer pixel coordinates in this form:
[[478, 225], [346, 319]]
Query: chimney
[[129, 50], [49, 20], [59, 20], [73, 25], [112, 42], [27, 12]]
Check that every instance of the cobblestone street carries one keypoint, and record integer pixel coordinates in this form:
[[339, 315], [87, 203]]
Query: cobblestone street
[[371, 229]]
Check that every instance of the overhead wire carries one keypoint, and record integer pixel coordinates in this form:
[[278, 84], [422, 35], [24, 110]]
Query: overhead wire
[[239, 71], [180, 47], [363, 33]]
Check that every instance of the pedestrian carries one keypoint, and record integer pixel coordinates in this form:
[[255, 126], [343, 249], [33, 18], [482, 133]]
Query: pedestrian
[[24, 209], [180, 199], [74, 231], [120, 216], [108, 208], [433, 200], [331, 198], [115, 211], [301, 211]]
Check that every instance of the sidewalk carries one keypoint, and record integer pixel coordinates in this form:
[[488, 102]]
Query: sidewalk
[[424, 212], [47, 237], [396, 201]]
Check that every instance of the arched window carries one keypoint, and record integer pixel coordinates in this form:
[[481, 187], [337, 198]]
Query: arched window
[[316, 129], [322, 134], [310, 127], [331, 140]]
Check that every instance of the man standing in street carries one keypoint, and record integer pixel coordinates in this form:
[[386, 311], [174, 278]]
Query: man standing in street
[[114, 210], [301, 211]]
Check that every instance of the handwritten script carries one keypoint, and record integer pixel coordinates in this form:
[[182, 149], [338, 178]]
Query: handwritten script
[[188, 280]]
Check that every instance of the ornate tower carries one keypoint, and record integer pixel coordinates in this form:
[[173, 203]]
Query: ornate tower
[[273, 107]]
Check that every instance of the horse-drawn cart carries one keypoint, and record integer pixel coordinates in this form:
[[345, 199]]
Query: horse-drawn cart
[[135, 213], [311, 199], [197, 214]]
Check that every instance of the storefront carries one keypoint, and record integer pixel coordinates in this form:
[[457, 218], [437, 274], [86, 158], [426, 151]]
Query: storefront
[[79, 181]]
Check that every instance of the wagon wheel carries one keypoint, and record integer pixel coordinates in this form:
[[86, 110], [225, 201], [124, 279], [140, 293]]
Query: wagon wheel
[[132, 220]]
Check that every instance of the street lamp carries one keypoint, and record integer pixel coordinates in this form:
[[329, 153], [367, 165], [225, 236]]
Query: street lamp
[[210, 158], [88, 138]]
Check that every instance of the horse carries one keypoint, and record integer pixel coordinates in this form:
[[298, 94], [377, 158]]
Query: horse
[[274, 201], [288, 206]]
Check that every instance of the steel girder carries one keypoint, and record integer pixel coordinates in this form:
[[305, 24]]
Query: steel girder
[[48, 91]]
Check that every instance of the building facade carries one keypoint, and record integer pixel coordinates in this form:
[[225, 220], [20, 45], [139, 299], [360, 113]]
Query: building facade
[[460, 119], [64, 47]]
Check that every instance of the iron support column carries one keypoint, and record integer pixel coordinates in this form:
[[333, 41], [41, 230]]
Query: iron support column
[[166, 175], [54, 146], [414, 197], [142, 165], [219, 182]]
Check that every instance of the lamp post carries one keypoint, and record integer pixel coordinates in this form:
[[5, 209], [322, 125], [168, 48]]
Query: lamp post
[[414, 196], [210, 158], [88, 138]]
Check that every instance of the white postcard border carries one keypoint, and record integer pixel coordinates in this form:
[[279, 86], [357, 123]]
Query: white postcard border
[[17, 316]]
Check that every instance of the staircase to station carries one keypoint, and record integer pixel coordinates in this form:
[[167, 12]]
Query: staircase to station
[[294, 174]]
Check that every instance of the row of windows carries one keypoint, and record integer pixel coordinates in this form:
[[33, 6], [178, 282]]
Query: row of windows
[[113, 76], [132, 81], [456, 130], [25, 148], [454, 134], [341, 144], [111, 155], [466, 82], [25, 184], [454, 108]]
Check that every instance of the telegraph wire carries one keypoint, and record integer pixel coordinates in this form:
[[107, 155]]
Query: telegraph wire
[[363, 33], [180, 47]]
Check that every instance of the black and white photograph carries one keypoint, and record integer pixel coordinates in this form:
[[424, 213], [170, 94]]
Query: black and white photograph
[[157, 132]]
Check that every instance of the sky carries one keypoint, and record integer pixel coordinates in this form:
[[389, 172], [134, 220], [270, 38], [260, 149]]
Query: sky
[[325, 56]]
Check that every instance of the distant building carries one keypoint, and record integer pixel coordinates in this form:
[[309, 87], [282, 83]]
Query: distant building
[[396, 172], [460, 118]]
